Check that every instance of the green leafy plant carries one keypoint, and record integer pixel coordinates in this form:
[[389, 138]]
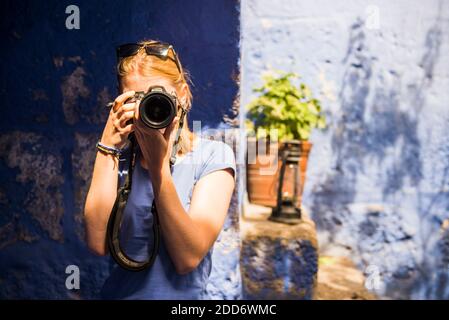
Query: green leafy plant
[[281, 105]]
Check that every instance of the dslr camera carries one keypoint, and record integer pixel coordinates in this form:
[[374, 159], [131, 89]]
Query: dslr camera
[[157, 107]]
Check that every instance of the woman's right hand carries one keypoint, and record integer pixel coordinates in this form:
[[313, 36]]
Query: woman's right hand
[[116, 131]]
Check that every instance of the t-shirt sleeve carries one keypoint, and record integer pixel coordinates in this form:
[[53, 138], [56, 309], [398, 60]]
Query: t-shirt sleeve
[[220, 156]]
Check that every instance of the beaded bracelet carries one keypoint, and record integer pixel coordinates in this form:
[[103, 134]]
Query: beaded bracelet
[[109, 150]]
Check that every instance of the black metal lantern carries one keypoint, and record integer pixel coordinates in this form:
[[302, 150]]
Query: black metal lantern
[[287, 210]]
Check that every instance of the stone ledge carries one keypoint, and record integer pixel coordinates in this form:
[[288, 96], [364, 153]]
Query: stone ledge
[[278, 261]]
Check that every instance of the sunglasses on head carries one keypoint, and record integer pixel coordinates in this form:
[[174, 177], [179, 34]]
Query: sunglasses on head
[[158, 49]]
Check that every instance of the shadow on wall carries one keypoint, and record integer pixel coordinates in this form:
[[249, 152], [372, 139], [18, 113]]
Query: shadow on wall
[[375, 135]]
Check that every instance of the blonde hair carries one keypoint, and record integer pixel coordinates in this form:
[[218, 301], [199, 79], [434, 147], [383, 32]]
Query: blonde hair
[[149, 65]]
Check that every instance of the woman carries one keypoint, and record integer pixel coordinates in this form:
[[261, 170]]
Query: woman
[[192, 198]]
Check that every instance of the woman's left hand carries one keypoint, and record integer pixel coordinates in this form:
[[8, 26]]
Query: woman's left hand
[[156, 147]]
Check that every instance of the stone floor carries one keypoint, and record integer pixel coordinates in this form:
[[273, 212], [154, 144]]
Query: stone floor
[[339, 279]]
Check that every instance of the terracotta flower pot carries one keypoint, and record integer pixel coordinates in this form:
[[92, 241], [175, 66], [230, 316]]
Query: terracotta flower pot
[[263, 172]]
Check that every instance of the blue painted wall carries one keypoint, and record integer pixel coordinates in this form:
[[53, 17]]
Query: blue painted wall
[[54, 84], [378, 178]]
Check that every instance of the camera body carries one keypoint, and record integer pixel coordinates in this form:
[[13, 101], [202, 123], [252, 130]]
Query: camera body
[[157, 107]]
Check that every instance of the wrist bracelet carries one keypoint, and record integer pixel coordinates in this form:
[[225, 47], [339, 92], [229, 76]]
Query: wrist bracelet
[[109, 150]]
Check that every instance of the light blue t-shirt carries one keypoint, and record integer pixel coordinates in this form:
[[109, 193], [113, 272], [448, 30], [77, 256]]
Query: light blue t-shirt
[[136, 237]]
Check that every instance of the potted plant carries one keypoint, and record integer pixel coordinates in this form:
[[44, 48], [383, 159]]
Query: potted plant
[[288, 111]]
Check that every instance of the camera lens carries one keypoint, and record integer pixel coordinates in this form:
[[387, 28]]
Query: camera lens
[[157, 110]]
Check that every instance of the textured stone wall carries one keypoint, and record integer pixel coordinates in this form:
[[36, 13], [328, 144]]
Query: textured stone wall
[[54, 85], [378, 177]]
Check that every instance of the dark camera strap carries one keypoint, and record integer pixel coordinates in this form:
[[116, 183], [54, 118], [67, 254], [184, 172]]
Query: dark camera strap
[[115, 219], [174, 151]]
